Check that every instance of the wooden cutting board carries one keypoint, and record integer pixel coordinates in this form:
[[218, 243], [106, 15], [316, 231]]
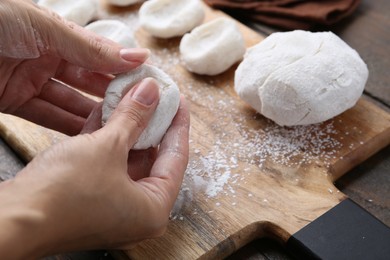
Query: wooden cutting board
[[247, 177]]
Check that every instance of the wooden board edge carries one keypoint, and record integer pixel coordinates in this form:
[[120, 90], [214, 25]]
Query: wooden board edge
[[360, 154]]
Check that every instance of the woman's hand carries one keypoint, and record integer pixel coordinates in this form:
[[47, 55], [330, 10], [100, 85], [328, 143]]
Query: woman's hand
[[90, 192], [41, 55]]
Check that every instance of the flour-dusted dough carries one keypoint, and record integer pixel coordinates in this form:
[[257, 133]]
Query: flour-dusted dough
[[166, 108], [114, 30], [123, 2], [300, 78], [78, 11], [213, 47], [170, 18]]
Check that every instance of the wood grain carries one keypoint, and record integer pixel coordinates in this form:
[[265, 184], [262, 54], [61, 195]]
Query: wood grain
[[232, 194]]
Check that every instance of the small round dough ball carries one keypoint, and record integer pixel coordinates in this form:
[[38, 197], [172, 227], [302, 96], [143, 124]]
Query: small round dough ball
[[166, 108], [123, 2], [301, 78], [114, 30], [78, 11], [213, 47], [170, 18]]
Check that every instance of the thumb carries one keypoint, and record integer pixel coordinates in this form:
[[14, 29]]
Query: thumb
[[133, 113]]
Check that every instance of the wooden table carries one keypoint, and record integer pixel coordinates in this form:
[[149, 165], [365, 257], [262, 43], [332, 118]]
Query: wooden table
[[368, 31]]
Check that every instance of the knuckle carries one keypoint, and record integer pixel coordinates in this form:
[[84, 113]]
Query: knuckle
[[133, 114], [98, 49]]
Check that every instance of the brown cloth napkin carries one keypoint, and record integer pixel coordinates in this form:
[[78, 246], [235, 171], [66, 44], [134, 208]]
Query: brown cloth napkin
[[288, 14]]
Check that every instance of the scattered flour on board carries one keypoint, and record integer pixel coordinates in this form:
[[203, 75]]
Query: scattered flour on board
[[217, 171]]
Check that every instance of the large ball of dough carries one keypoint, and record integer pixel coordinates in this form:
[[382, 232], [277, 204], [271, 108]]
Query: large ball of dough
[[300, 78], [213, 47], [166, 108], [170, 18]]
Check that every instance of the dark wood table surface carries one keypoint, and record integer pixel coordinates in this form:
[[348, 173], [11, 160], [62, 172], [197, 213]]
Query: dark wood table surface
[[367, 31]]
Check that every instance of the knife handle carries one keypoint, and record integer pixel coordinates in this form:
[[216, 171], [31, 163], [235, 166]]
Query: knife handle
[[347, 231]]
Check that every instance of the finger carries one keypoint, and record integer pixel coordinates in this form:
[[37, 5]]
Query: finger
[[90, 82], [67, 98], [133, 113], [84, 48], [172, 159], [46, 114], [94, 120]]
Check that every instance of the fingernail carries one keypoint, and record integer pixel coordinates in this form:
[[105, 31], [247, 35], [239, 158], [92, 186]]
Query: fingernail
[[135, 54], [147, 92]]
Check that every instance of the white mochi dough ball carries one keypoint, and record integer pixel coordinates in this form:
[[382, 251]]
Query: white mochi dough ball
[[300, 78], [170, 18], [78, 11], [123, 2], [213, 47], [166, 108], [114, 30]]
